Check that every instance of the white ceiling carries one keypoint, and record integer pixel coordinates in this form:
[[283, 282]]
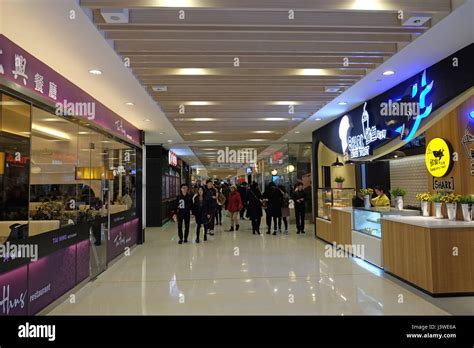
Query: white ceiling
[[73, 46]]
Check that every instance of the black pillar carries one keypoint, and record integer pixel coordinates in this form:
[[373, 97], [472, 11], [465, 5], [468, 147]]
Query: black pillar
[[154, 170]]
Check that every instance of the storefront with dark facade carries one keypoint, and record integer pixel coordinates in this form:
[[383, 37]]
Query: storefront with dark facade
[[416, 142], [165, 174], [70, 184]]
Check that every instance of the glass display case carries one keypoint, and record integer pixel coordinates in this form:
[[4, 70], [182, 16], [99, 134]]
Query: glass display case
[[333, 197], [367, 221]]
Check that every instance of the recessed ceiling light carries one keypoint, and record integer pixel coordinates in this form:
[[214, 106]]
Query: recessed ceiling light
[[275, 119], [200, 103], [129, 104], [388, 72], [207, 140], [170, 141], [317, 119], [256, 140], [147, 120], [262, 132], [342, 103], [95, 72], [82, 133], [192, 71], [206, 132], [297, 132], [196, 119]]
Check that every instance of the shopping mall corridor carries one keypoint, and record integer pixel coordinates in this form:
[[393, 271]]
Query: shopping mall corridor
[[241, 273]]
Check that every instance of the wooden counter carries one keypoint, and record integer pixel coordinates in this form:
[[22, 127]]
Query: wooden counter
[[435, 255], [338, 230]]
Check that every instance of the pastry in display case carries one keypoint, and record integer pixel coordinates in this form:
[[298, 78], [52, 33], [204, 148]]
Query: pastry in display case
[[333, 197]]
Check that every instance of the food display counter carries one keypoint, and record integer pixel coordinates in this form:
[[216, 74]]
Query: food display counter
[[435, 255]]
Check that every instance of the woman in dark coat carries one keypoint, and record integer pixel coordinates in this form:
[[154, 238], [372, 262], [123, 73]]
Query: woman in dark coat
[[275, 202], [201, 213], [254, 207]]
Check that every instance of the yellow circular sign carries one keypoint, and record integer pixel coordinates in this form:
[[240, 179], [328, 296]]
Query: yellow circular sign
[[438, 157]]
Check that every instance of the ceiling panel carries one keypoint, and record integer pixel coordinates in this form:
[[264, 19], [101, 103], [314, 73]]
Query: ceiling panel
[[233, 67]]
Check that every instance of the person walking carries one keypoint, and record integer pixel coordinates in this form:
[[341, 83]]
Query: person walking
[[234, 206], [201, 213], [254, 207], [275, 202], [183, 213], [243, 196], [265, 205], [285, 207], [220, 203], [210, 195], [300, 207]]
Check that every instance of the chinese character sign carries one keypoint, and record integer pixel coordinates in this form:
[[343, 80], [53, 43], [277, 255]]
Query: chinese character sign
[[20, 68]]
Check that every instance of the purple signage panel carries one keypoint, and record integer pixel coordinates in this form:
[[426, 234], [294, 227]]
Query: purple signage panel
[[50, 277], [82, 264], [122, 236], [23, 69], [14, 292]]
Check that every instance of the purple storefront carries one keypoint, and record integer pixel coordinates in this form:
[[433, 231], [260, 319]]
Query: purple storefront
[[70, 184]]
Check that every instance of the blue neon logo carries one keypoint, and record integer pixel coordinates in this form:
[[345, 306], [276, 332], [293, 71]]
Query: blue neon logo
[[472, 114], [425, 110]]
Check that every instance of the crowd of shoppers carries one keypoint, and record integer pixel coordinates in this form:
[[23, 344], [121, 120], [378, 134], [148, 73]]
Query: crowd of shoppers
[[206, 204]]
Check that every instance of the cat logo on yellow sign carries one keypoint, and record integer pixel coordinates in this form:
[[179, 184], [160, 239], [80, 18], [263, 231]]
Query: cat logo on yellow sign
[[438, 157]]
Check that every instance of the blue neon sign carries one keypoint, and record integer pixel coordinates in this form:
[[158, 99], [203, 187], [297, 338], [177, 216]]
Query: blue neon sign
[[426, 110]]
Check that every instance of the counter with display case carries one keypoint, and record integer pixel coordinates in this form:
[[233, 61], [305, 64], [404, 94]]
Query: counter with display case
[[435, 255], [333, 197]]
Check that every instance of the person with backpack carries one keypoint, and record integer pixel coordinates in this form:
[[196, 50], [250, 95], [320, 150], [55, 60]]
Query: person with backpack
[[234, 206], [201, 213], [182, 213], [285, 208], [254, 207]]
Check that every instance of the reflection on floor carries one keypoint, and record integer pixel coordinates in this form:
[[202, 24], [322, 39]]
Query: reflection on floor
[[241, 273]]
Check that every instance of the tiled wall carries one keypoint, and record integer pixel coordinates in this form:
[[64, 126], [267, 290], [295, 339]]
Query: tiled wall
[[410, 174]]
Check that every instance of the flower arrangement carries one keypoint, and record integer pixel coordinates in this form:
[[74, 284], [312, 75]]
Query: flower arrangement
[[367, 191], [425, 196], [398, 192], [450, 198], [339, 179], [49, 211]]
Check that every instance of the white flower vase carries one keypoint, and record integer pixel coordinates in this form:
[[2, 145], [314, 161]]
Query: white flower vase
[[399, 202], [451, 211], [425, 208], [467, 212], [367, 202], [438, 210], [339, 185]]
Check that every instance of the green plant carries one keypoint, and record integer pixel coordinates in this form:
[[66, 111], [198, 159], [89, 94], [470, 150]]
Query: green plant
[[49, 211], [437, 197], [339, 179], [450, 198], [367, 191], [398, 192], [466, 199]]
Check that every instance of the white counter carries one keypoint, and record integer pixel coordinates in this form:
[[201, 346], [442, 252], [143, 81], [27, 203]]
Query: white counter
[[428, 222]]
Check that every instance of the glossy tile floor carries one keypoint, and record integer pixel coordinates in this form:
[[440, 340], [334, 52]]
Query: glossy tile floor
[[241, 273]]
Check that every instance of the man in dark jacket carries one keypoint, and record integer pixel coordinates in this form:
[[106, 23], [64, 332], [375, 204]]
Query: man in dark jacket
[[299, 196], [211, 202], [183, 213]]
